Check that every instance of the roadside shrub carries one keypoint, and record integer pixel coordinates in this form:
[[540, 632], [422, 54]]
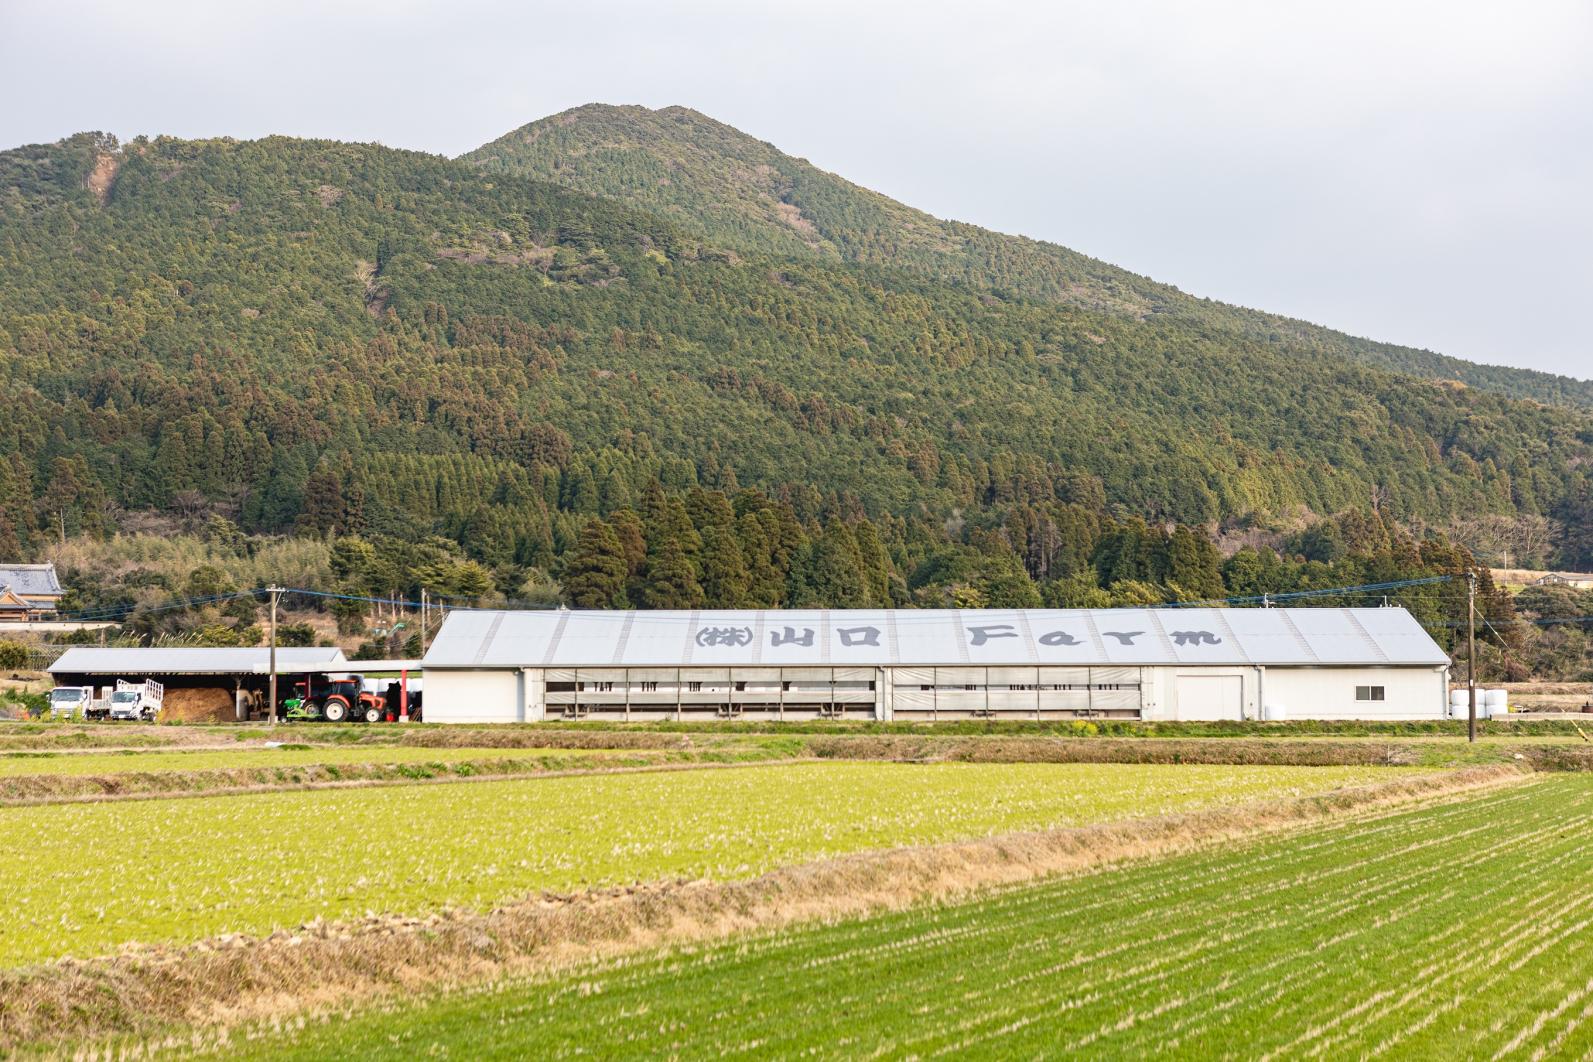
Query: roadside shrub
[[13, 656]]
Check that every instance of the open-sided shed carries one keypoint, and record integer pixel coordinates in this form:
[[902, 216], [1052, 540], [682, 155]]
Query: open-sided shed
[[201, 684]]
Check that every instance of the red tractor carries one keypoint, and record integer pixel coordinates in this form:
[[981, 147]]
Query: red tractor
[[337, 700]]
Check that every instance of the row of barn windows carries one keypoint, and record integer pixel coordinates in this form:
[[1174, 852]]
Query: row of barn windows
[[1018, 687], [692, 686], [696, 687]]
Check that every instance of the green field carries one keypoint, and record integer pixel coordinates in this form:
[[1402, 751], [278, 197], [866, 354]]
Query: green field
[[1461, 930], [91, 763], [81, 879]]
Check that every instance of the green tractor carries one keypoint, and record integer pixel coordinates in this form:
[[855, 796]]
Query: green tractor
[[336, 700]]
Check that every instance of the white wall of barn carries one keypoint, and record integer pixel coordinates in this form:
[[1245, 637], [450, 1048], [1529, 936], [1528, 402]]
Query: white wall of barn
[[1409, 693], [477, 697], [1165, 693]]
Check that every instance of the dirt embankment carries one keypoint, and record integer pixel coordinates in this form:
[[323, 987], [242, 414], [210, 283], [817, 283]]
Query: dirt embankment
[[224, 781], [151, 991]]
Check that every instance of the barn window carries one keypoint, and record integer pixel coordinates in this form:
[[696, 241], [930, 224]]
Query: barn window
[[1369, 693]]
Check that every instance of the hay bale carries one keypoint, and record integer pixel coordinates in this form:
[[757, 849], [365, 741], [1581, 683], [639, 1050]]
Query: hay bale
[[207, 704]]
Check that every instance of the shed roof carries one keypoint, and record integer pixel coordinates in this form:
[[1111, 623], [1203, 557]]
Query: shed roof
[[922, 637], [89, 660]]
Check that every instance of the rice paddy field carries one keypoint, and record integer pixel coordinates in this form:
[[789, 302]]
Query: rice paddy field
[[83, 879], [1453, 930]]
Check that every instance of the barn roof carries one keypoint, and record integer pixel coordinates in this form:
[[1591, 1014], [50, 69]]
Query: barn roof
[[89, 660], [920, 637]]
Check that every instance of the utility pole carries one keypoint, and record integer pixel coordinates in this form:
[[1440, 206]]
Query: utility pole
[[275, 592], [423, 621], [1471, 655]]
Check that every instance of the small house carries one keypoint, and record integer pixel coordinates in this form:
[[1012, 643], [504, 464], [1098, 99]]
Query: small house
[[28, 591], [1575, 580]]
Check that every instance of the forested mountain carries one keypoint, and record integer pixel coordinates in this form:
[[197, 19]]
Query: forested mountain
[[720, 184], [328, 338]]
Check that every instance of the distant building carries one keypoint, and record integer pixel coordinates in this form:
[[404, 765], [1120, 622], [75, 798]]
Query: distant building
[[1571, 579], [933, 665], [28, 591]]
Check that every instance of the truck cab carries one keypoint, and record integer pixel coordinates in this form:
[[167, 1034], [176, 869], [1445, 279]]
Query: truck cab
[[67, 701], [136, 700]]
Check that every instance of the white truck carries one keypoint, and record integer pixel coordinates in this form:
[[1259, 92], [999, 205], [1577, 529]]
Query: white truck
[[67, 701], [137, 700]]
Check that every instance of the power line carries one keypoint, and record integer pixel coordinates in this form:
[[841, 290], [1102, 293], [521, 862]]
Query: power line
[[1335, 591], [110, 613]]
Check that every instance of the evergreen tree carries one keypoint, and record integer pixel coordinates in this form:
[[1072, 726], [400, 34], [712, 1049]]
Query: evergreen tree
[[10, 543], [594, 574], [725, 580], [765, 579], [836, 577], [1194, 565], [632, 539], [1004, 583], [671, 581], [878, 574], [323, 511]]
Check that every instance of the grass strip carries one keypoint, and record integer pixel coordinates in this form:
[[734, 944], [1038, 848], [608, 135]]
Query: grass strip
[[20, 764], [32, 790], [152, 991], [1315, 753], [28, 778]]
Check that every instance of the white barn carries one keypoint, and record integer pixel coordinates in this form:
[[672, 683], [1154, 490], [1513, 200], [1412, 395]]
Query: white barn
[[908, 664]]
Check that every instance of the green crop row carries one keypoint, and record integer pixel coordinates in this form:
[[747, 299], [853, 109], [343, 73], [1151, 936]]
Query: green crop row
[[1450, 931], [83, 879]]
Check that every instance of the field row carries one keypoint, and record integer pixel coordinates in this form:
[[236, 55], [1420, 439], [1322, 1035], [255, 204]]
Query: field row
[[79, 764], [1457, 930], [83, 879]]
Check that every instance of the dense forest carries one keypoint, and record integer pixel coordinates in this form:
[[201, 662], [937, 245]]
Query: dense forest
[[723, 185], [501, 387], [702, 548]]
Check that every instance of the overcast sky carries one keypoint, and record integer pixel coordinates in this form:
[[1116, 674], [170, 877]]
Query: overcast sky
[[1412, 171]]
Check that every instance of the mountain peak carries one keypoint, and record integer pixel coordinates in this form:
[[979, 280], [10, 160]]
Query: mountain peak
[[746, 195]]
